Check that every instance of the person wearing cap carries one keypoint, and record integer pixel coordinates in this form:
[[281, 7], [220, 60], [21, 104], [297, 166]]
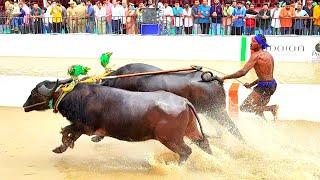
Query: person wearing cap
[[265, 85], [71, 17], [316, 23]]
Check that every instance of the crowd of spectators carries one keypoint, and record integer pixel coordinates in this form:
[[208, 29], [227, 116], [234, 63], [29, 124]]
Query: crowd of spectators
[[105, 17]]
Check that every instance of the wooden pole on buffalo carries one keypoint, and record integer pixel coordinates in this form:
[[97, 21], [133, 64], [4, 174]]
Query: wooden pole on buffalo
[[192, 68]]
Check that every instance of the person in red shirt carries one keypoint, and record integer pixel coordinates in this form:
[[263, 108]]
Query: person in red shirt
[[251, 20]]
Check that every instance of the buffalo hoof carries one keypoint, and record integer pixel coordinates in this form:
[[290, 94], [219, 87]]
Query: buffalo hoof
[[182, 161], [97, 138], [60, 149], [68, 142]]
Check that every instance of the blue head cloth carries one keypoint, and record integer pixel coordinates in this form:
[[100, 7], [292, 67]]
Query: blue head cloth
[[260, 41]]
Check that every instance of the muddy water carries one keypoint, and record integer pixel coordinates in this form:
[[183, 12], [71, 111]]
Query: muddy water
[[282, 150]]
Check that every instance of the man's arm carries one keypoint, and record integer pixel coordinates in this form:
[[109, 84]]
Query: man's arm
[[249, 65]]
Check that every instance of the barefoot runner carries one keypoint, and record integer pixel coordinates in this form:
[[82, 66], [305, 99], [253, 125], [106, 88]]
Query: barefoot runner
[[266, 85]]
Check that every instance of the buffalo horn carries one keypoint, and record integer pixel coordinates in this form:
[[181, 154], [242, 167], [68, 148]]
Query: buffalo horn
[[46, 91]]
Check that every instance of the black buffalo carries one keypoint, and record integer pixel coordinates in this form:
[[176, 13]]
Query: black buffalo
[[207, 97], [125, 115]]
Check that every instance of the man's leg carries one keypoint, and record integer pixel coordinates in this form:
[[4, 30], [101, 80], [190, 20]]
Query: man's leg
[[258, 104]]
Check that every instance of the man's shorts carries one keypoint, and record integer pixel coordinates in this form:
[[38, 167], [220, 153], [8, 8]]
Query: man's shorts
[[266, 88]]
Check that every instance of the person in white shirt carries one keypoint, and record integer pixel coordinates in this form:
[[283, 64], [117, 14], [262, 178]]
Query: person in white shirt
[[188, 21], [275, 19], [300, 20], [26, 18], [168, 15], [48, 18], [124, 15], [100, 18], [117, 15]]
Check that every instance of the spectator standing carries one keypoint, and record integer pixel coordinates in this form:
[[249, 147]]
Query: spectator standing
[[309, 9], [216, 15], [64, 19], [48, 17], [316, 16], [71, 17], [139, 16], [300, 20], [178, 18], [286, 15], [90, 17], [188, 22], [56, 13], [100, 18], [108, 6], [131, 19], [81, 12], [168, 18], [251, 20], [26, 18], [204, 17], [227, 17], [117, 13], [19, 17], [238, 15], [36, 15], [264, 18], [275, 19], [124, 15], [195, 12]]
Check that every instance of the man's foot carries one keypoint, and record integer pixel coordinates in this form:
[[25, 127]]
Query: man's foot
[[261, 114], [274, 112]]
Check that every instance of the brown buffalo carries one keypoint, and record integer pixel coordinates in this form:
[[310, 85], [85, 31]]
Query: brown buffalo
[[207, 96]]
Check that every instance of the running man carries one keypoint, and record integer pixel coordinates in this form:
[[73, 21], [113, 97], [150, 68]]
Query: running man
[[266, 85]]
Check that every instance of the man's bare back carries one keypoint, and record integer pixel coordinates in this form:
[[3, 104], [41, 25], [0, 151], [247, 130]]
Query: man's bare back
[[264, 65]]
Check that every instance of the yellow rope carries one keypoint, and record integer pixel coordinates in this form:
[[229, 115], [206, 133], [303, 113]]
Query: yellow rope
[[68, 88], [89, 80]]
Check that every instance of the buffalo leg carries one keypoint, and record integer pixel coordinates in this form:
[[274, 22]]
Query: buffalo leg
[[97, 138], [69, 135], [182, 149], [194, 135], [223, 118]]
